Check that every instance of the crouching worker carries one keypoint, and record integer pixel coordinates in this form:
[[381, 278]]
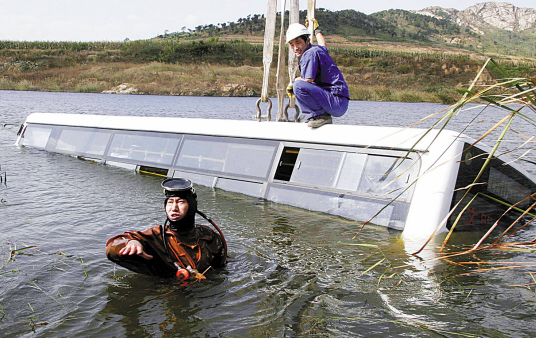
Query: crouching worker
[[320, 91], [179, 247]]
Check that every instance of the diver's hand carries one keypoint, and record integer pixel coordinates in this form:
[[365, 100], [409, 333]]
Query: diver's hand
[[134, 247]]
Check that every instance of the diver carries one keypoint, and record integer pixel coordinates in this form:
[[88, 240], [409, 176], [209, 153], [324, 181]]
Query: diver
[[321, 91], [179, 247]]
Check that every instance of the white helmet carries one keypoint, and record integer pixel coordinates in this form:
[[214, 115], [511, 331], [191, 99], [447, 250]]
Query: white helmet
[[295, 30]]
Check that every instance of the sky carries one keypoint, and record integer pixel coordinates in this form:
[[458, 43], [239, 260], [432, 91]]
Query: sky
[[116, 20]]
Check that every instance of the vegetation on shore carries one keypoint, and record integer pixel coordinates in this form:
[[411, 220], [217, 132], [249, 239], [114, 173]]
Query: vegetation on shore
[[228, 68]]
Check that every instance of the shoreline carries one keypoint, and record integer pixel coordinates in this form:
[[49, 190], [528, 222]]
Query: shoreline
[[223, 69], [202, 80]]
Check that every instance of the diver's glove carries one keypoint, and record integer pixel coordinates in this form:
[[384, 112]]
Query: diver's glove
[[290, 91]]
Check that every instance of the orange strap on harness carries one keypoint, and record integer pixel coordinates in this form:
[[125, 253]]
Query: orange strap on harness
[[180, 253]]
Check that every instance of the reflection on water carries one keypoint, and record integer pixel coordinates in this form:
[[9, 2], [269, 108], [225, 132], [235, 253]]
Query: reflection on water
[[291, 272]]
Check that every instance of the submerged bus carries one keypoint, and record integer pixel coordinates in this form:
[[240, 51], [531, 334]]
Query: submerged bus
[[406, 179]]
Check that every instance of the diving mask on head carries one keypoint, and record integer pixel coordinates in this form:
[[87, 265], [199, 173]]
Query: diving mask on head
[[178, 187], [182, 188]]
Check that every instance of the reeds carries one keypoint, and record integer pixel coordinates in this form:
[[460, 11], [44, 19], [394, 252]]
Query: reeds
[[3, 176], [13, 250], [383, 261], [516, 97]]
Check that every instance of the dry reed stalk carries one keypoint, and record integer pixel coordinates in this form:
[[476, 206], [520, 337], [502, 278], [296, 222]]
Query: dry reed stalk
[[501, 94]]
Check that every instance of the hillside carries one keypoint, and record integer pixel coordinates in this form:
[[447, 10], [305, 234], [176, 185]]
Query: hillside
[[497, 29], [393, 55]]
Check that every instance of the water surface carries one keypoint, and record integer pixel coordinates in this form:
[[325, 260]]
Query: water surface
[[291, 272]]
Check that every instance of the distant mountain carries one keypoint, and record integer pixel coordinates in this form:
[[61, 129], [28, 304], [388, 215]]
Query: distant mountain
[[482, 17], [501, 28]]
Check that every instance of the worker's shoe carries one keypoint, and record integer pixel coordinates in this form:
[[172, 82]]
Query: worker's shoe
[[319, 120]]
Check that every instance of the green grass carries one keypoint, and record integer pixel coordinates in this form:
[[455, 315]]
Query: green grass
[[233, 68]]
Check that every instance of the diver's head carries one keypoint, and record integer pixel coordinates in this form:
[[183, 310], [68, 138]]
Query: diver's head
[[180, 203]]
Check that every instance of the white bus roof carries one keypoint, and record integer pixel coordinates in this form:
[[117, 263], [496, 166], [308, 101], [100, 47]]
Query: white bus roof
[[348, 135]]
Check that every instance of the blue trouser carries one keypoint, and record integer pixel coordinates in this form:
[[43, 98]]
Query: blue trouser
[[314, 100]]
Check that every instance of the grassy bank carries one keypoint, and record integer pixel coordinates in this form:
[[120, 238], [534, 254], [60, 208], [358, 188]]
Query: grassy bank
[[154, 78], [232, 68]]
